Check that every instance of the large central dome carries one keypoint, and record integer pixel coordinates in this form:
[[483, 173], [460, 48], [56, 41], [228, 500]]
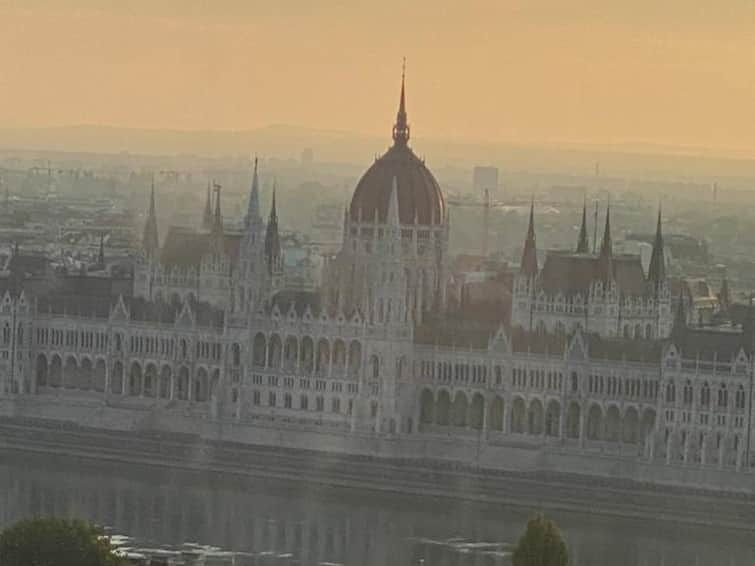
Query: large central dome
[[419, 196]]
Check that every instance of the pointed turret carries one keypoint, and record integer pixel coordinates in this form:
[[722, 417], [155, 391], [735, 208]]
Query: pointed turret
[[401, 128], [272, 240], [207, 215], [583, 245], [657, 268], [606, 246], [217, 221], [150, 240], [606, 249], [529, 255], [253, 215]]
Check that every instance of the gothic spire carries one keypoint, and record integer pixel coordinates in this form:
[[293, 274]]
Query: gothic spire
[[272, 240], [150, 239], [207, 216], [606, 249], [529, 255], [401, 128], [217, 223], [657, 268], [253, 210], [583, 245]]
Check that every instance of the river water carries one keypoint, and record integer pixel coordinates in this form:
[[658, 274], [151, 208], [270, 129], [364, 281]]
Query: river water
[[290, 523]]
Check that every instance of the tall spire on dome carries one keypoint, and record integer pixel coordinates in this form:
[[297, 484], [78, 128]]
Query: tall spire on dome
[[583, 245], [657, 268], [150, 239], [207, 216], [253, 211], [529, 255], [401, 128]]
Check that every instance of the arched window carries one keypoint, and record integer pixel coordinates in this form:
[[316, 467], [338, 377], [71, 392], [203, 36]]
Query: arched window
[[705, 396], [670, 392], [375, 367], [723, 396], [740, 400]]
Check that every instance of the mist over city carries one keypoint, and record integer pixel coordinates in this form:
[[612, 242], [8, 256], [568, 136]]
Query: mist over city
[[331, 283]]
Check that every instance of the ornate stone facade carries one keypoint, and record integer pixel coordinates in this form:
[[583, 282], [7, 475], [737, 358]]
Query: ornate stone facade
[[590, 365]]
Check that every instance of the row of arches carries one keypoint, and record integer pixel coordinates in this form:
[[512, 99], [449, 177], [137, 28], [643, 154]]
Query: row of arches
[[303, 355], [701, 396], [700, 447], [71, 374], [535, 417], [138, 381], [610, 425]]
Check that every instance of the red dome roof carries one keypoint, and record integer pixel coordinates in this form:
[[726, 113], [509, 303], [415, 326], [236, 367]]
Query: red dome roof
[[419, 195]]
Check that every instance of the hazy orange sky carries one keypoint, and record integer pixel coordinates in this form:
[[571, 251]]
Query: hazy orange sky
[[660, 71]]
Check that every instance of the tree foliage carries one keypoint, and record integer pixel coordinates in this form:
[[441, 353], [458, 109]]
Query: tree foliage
[[541, 545], [52, 541]]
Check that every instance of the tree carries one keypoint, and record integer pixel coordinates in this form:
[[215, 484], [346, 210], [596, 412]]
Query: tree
[[52, 541], [541, 545]]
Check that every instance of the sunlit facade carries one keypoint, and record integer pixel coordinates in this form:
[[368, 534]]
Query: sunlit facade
[[592, 368]]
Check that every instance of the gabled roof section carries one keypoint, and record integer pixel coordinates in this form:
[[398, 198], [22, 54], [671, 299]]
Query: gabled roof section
[[528, 264], [453, 330], [572, 273]]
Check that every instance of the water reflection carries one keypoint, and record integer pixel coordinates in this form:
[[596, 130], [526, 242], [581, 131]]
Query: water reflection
[[296, 523]]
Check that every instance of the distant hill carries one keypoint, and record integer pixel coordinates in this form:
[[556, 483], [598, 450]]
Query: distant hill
[[286, 141]]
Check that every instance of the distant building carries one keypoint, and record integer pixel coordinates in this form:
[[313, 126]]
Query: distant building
[[485, 178]]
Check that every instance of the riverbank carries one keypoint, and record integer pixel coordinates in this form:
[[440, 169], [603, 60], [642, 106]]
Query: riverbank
[[432, 480]]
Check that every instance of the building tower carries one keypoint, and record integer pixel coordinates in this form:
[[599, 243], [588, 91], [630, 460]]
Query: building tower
[[396, 198]]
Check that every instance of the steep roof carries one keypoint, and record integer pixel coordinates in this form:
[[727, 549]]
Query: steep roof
[[633, 350], [460, 329], [573, 273], [706, 344], [184, 247]]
